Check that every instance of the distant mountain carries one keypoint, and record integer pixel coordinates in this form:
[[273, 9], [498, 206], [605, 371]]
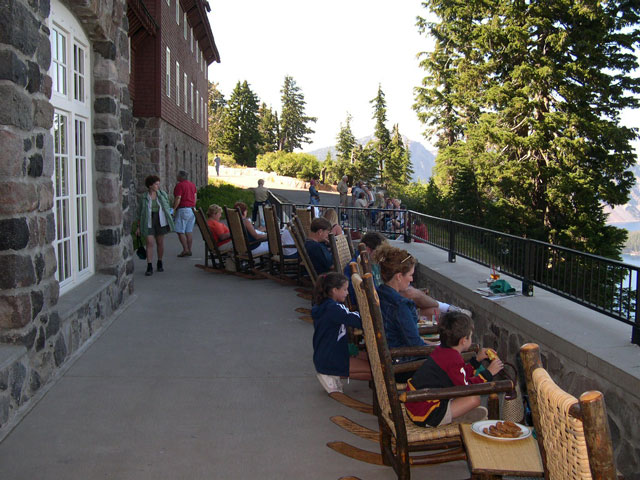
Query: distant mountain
[[422, 160], [627, 215]]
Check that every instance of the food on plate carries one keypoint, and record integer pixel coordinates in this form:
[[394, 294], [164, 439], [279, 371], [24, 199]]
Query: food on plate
[[505, 429]]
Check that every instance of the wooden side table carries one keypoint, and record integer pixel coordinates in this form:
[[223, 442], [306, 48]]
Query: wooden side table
[[489, 459]]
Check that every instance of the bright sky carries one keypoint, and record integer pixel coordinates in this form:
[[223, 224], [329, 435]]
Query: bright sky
[[337, 51]]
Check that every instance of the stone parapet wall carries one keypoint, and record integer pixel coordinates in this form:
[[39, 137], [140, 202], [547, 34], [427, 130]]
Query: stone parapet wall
[[29, 291], [508, 324], [163, 150]]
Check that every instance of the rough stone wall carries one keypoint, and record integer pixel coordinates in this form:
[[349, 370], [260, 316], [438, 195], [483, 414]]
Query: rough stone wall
[[28, 287], [622, 405], [161, 149]]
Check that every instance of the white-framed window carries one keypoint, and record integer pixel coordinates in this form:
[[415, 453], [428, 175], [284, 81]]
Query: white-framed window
[[186, 85], [184, 21], [191, 37], [178, 12], [178, 83], [197, 107], [168, 72], [72, 150], [202, 112], [191, 100], [169, 2]]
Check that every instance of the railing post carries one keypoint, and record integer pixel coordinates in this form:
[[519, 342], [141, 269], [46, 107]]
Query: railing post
[[527, 286], [635, 330], [407, 228], [452, 242]]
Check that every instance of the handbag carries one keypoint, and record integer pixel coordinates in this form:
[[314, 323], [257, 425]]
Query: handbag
[[513, 406], [140, 251]]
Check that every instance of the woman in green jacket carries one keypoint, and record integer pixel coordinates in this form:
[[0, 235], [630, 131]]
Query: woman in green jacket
[[154, 220]]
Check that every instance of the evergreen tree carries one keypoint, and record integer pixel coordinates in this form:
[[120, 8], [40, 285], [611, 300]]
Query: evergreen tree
[[398, 170], [294, 129], [215, 110], [268, 128], [365, 161], [345, 140], [381, 132], [532, 92], [241, 136]]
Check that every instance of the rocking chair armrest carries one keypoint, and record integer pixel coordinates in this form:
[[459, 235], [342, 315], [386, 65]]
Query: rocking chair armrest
[[428, 330], [407, 366], [421, 351], [428, 394]]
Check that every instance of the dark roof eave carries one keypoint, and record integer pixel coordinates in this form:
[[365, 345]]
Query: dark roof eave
[[211, 54]]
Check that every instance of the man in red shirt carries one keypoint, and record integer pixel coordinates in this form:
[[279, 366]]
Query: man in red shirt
[[184, 195]]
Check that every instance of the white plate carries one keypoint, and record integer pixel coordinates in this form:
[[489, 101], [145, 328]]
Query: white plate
[[477, 427]]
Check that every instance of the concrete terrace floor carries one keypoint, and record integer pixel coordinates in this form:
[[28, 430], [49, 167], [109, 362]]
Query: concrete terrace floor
[[203, 376]]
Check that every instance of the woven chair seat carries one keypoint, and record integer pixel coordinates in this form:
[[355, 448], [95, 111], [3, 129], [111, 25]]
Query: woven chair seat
[[246, 256], [417, 434]]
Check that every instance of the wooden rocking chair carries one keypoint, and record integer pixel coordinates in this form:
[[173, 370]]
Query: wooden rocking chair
[[573, 434], [211, 251], [284, 268], [399, 437], [244, 259], [304, 221]]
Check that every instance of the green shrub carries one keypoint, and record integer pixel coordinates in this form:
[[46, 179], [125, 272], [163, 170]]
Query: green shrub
[[300, 165], [222, 194]]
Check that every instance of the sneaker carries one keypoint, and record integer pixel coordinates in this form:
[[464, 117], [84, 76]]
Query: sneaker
[[331, 383], [159, 266], [453, 308], [149, 271], [476, 415]]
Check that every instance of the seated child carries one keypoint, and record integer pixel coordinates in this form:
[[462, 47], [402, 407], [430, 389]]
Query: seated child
[[445, 367], [330, 341]]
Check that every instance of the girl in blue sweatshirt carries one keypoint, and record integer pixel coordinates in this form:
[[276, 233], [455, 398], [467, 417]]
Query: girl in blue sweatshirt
[[330, 340]]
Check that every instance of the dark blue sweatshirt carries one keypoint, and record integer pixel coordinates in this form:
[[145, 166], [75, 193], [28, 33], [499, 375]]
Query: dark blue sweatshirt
[[330, 341]]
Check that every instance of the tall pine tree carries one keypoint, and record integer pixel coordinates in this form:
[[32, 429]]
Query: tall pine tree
[[381, 132], [532, 93], [294, 123], [269, 129], [241, 137], [397, 169], [345, 140], [215, 105]]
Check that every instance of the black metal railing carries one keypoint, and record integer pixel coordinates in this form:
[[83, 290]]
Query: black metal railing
[[601, 284]]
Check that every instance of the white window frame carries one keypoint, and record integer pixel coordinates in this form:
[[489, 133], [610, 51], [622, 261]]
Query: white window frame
[[197, 107], [186, 96], [178, 83], [191, 37], [191, 101], [169, 2], [178, 12], [184, 21], [168, 72], [73, 150]]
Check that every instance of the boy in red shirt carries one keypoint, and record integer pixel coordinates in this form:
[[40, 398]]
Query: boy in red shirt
[[445, 367]]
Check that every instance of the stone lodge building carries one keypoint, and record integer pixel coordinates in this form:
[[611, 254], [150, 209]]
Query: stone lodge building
[[94, 96]]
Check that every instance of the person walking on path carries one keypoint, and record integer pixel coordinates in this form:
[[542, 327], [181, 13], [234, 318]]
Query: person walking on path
[[261, 199], [184, 195], [217, 163], [343, 190], [154, 220]]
